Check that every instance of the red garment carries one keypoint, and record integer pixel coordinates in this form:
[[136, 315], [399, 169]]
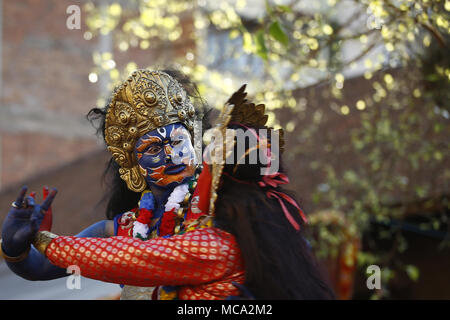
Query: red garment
[[203, 262]]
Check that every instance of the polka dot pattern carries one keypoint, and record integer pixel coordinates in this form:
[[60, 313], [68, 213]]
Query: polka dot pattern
[[202, 262]]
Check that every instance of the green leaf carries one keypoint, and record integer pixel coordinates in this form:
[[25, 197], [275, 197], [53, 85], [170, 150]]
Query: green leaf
[[316, 198], [277, 32], [413, 272], [260, 42], [247, 44], [350, 176], [432, 77], [437, 127], [269, 8], [284, 8]]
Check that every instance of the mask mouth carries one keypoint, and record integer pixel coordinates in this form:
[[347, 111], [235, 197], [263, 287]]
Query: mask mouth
[[174, 169]]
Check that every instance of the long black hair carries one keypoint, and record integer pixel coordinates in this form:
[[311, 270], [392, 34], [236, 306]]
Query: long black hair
[[118, 197], [279, 263]]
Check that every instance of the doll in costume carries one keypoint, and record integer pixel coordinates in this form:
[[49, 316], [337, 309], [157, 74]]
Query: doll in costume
[[240, 226]]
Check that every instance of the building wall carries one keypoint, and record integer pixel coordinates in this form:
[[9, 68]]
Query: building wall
[[45, 91]]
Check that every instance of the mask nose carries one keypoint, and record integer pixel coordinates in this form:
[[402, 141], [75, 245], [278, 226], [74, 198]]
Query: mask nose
[[168, 150]]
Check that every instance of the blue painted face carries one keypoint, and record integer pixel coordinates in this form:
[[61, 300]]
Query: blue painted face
[[166, 155]]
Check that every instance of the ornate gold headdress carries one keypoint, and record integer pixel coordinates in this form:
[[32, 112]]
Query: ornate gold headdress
[[145, 101], [236, 110], [249, 114]]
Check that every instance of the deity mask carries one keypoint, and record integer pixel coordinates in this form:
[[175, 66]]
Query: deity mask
[[146, 101], [166, 155]]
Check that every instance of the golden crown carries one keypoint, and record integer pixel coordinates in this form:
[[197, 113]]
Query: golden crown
[[145, 101], [238, 110]]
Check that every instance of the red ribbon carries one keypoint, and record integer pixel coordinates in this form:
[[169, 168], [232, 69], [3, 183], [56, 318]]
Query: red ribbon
[[274, 180]]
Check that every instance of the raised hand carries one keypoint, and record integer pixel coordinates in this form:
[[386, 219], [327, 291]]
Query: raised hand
[[23, 222], [46, 224]]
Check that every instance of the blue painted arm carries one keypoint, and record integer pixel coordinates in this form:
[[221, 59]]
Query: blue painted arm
[[37, 267]]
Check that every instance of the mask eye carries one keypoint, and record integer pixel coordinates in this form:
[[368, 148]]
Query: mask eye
[[153, 150], [177, 142]]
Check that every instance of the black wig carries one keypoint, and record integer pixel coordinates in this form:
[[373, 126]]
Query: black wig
[[279, 263]]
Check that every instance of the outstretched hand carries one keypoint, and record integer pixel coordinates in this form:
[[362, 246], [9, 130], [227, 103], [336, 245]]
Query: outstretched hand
[[23, 222]]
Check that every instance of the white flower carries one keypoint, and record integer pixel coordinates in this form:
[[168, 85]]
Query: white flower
[[176, 197], [174, 200], [140, 228]]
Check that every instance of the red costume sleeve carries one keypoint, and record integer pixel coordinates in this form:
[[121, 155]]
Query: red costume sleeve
[[197, 257]]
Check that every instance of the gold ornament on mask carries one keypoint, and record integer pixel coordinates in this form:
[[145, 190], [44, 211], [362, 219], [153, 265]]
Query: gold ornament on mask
[[145, 101]]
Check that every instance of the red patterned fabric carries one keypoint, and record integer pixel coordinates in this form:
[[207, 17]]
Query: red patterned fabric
[[203, 262]]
